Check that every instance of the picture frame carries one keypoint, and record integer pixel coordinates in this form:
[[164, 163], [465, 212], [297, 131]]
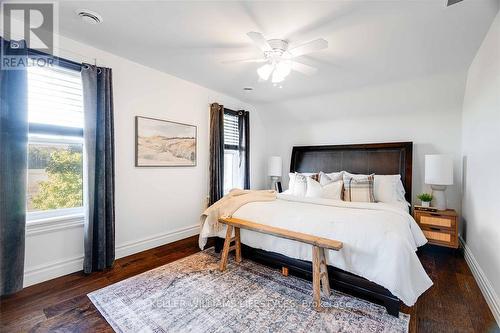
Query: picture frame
[[164, 143]]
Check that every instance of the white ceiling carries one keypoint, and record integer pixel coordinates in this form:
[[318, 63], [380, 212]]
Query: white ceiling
[[370, 42]]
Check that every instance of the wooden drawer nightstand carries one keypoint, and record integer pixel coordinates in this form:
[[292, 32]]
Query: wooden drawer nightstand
[[440, 227]]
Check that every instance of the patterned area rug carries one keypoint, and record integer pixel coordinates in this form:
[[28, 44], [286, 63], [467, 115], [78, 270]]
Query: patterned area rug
[[192, 295]]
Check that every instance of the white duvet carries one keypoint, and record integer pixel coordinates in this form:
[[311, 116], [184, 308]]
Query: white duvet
[[379, 239]]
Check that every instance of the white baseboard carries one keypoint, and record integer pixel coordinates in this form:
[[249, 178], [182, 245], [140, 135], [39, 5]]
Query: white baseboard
[[482, 280], [51, 270], [147, 243]]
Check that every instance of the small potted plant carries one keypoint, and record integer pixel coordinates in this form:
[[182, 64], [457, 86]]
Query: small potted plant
[[425, 198]]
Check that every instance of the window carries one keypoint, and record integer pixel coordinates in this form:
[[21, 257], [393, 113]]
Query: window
[[55, 142], [231, 159], [231, 153]]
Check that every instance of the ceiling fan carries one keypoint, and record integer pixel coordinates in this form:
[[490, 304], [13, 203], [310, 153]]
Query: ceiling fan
[[280, 60]]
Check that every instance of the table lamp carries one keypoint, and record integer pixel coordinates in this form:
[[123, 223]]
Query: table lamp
[[438, 174], [274, 167]]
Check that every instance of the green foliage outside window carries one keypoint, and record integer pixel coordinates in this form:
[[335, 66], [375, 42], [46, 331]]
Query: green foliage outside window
[[63, 188]]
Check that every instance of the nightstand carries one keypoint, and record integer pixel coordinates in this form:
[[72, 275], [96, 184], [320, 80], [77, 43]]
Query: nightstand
[[439, 227]]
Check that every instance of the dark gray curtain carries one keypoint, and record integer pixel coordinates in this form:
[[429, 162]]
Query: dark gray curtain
[[99, 238], [216, 152], [13, 164], [244, 146]]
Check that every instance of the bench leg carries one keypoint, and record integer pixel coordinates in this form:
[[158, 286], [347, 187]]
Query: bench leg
[[316, 278], [237, 241], [325, 283], [225, 249]]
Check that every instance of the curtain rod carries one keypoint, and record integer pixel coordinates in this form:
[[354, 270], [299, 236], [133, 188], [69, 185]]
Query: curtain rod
[[79, 54]]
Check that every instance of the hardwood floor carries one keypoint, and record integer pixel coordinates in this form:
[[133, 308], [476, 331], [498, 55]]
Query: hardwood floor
[[453, 304]]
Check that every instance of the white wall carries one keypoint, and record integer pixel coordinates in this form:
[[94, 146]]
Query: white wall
[[154, 206], [426, 111], [481, 153]]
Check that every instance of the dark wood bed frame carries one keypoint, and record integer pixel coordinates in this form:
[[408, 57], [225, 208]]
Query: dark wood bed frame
[[379, 158]]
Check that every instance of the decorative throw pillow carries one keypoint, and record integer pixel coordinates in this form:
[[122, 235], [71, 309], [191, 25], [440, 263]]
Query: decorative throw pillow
[[331, 190], [358, 188], [298, 183], [386, 188], [327, 178]]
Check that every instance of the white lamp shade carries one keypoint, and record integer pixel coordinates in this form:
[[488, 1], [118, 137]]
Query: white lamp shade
[[274, 166], [438, 170]]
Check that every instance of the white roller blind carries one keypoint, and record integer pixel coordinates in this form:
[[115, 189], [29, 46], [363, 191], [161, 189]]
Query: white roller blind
[[231, 134], [55, 96]]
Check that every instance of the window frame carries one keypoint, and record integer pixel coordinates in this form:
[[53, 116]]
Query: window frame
[[234, 171], [61, 62], [233, 149], [69, 135]]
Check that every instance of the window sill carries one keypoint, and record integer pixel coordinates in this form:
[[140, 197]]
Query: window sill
[[53, 224]]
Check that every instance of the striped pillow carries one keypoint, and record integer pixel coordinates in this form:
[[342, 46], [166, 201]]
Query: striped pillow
[[358, 188]]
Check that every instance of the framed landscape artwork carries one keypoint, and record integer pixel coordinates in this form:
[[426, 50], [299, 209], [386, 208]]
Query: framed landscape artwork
[[163, 143]]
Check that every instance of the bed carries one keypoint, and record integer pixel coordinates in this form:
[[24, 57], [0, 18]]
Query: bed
[[388, 254]]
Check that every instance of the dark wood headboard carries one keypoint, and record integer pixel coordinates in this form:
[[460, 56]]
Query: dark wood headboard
[[380, 158]]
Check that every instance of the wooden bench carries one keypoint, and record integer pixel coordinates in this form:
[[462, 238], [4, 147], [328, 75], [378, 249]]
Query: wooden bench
[[319, 244]]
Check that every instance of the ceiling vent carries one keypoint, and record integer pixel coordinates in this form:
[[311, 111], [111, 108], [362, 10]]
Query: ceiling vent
[[89, 16], [452, 2]]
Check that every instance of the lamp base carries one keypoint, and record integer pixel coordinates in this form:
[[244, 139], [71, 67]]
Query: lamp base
[[274, 180], [438, 197]]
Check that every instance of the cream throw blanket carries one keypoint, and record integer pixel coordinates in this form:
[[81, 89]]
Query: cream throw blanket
[[230, 203]]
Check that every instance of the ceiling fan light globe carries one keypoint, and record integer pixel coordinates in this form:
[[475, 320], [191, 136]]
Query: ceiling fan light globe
[[277, 78], [283, 68], [265, 71]]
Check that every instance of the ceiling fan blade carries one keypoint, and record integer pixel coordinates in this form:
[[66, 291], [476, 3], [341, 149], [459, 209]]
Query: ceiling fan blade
[[259, 40], [452, 2], [312, 46], [243, 61], [302, 68]]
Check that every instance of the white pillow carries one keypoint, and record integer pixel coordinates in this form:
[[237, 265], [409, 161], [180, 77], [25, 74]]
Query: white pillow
[[327, 178], [298, 184], [400, 189], [354, 175], [386, 188], [332, 190]]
